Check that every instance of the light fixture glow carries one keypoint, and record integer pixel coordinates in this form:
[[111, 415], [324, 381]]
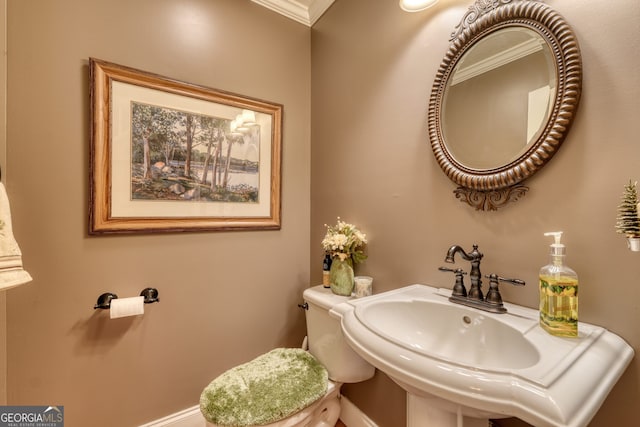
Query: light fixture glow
[[241, 126], [248, 117], [234, 129], [416, 5]]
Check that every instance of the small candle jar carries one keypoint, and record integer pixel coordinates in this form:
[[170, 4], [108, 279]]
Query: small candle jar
[[363, 286]]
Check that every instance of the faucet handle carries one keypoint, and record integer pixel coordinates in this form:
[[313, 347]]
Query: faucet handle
[[458, 289], [493, 295], [516, 282], [452, 270]]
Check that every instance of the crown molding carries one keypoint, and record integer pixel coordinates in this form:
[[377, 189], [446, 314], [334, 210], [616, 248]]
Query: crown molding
[[306, 12], [497, 60]]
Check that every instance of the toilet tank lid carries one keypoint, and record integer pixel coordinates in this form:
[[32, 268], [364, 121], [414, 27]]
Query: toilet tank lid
[[323, 297]]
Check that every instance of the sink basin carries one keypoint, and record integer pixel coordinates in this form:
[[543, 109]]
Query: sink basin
[[462, 336], [483, 365]]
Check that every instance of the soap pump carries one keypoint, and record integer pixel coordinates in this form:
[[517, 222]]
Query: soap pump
[[558, 293]]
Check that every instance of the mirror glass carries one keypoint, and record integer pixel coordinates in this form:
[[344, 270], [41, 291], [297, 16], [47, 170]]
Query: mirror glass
[[498, 99]]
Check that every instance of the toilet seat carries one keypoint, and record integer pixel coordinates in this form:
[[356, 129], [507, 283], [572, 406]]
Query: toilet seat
[[324, 412], [270, 388]]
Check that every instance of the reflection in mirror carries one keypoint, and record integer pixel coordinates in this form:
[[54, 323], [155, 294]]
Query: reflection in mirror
[[498, 98], [503, 99]]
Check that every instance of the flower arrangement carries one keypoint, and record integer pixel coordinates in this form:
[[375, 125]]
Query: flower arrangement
[[345, 241]]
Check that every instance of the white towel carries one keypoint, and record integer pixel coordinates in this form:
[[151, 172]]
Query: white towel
[[11, 271]]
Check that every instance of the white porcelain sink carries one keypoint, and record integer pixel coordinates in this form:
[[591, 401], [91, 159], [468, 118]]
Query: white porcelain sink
[[452, 333], [481, 364]]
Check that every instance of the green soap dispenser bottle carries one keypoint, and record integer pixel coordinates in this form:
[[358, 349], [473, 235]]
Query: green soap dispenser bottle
[[558, 293]]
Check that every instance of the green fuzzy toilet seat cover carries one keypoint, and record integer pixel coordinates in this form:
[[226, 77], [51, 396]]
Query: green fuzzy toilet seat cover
[[267, 389]]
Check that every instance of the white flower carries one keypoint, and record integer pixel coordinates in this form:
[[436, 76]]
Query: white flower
[[344, 241], [360, 236]]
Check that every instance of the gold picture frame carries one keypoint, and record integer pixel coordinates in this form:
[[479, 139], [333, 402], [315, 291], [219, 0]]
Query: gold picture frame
[[170, 156]]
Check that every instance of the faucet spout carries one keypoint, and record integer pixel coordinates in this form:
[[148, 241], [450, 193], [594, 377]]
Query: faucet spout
[[453, 250]]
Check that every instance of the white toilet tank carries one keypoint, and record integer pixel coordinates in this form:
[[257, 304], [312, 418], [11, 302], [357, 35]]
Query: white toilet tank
[[326, 341]]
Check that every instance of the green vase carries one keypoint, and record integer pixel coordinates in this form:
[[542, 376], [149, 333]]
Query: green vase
[[341, 277]]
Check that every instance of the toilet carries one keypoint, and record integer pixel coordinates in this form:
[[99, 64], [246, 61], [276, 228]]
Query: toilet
[[329, 361]]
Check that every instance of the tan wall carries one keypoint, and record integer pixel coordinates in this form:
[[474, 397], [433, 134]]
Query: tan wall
[[372, 70], [3, 166], [224, 297]]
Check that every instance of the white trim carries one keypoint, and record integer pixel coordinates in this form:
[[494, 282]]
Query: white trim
[[506, 56], [317, 8], [350, 415], [190, 417], [306, 12]]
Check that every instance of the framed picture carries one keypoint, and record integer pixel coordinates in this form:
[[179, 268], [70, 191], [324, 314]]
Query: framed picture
[[173, 156]]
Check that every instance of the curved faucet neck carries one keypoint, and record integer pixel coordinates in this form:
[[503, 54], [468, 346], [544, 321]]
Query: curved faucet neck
[[473, 256]]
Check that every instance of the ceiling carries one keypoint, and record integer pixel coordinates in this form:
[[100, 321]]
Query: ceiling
[[306, 12]]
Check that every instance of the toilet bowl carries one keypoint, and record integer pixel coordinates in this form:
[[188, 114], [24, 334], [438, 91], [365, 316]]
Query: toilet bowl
[[328, 349]]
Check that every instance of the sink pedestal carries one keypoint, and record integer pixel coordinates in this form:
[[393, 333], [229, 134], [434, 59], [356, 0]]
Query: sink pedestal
[[429, 412]]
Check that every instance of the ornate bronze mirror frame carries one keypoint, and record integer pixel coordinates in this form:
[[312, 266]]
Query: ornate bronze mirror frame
[[491, 186]]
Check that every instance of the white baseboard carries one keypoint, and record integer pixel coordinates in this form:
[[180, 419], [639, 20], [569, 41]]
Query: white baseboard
[[191, 417], [350, 415]]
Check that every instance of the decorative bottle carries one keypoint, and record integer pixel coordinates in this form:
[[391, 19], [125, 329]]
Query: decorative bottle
[[326, 268], [558, 293]]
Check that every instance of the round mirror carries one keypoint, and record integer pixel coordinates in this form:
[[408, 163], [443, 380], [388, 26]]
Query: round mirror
[[504, 98]]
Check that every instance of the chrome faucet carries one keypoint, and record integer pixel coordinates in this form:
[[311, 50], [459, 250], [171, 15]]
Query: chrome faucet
[[475, 298]]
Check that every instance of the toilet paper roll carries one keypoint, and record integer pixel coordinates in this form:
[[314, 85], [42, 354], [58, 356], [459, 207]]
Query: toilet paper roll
[[123, 307]]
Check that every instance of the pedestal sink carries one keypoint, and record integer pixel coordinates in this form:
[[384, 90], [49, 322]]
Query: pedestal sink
[[462, 366]]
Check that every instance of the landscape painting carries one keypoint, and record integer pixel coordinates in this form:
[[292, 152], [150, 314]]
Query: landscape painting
[[178, 155], [173, 156]]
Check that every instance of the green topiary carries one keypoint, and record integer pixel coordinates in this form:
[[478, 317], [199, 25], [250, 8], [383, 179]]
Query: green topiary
[[628, 221]]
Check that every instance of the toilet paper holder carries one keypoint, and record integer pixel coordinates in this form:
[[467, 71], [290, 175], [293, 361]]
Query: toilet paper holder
[[104, 301]]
